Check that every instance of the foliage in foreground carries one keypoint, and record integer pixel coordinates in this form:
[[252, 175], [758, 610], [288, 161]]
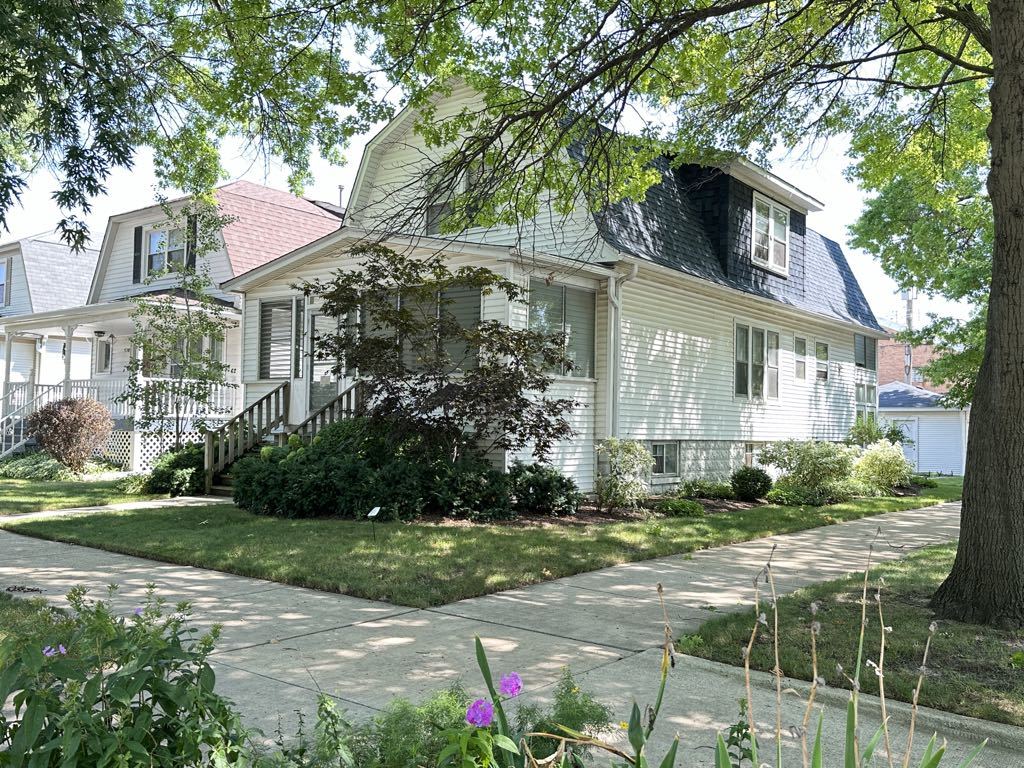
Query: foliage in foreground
[[71, 430], [178, 472], [39, 465], [623, 480]]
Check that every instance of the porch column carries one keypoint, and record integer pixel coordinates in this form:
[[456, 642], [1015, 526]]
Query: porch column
[[69, 331], [8, 351]]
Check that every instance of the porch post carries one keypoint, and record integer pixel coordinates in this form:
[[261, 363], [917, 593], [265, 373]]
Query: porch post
[[8, 351], [68, 345]]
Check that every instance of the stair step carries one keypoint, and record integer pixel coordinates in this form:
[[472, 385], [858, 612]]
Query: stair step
[[222, 490]]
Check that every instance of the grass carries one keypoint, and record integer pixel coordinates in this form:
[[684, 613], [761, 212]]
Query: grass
[[31, 621], [972, 670], [423, 564], [20, 496]]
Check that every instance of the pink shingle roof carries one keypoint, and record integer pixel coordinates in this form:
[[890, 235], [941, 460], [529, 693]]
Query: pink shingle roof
[[268, 223]]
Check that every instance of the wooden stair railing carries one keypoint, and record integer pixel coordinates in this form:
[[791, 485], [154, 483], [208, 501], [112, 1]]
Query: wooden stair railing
[[344, 406], [245, 431]]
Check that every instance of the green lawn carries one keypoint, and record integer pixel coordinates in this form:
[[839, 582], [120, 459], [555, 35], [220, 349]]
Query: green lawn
[[970, 668], [31, 621], [422, 564], [18, 496]]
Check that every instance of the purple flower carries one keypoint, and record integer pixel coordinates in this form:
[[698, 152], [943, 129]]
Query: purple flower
[[49, 651], [480, 713], [510, 685], [138, 611], [62, 650]]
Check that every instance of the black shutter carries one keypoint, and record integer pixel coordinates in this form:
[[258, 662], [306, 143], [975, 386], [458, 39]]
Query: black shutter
[[190, 243], [137, 262], [860, 354], [872, 361]]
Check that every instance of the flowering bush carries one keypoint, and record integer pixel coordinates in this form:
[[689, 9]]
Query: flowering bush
[[623, 483], [71, 430], [810, 464], [883, 466]]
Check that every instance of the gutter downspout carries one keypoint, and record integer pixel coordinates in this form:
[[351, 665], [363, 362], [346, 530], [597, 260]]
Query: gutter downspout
[[614, 350]]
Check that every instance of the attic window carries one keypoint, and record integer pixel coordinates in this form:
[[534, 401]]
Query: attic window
[[5, 292], [770, 243], [165, 249]]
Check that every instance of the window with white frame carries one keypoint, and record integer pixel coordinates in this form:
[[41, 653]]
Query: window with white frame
[[865, 352], [800, 357], [165, 249], [104, 355], [770, 243], [750, 454], [557, 308], [4, 277], [821, 361], [666, 459], [867, 402], [756, 362], [277, 326]]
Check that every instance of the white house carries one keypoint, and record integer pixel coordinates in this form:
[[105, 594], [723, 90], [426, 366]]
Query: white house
[[264, 224], [705, 321], [41, 274], [938, 435]]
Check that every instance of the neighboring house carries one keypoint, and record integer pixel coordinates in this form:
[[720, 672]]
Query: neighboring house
[[938, 435], [29, 282], [895, 364], [704, 321], [265, 223]]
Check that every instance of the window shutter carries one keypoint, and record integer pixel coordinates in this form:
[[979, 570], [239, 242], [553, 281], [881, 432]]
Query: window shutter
[[275, 339], [137, 260], [872, 354], [191, 237], [579, 327], [860, 350], [8, 279]]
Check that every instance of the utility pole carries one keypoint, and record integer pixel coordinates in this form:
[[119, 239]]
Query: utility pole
[[908, 349]]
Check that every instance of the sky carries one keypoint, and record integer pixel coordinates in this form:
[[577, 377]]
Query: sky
[[820, 174]]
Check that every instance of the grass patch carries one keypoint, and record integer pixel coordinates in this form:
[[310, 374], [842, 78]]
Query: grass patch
[[970, 668], [20, 496], [31, 620], [424, 564]]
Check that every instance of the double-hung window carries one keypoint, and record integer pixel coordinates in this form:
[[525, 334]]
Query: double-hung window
[[756, 362], [867, 402], [821, 361], [104, 354], [865, 352], [800, 357], [770, 243], [557, 308], [165, 249], [441, 313], [666, 459]]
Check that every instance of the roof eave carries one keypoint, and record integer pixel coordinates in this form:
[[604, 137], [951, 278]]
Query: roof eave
[[767, 182]]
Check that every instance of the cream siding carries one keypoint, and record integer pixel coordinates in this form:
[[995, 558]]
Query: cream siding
[[116, 267], [940, 438], [21, 299], [23, 355]]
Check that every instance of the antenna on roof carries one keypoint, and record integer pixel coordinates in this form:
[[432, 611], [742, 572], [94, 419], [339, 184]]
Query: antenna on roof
[[908, 350], [341, 194]]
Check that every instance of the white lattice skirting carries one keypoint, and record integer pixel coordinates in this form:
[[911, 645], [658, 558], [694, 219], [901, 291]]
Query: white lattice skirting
[[136, 451]]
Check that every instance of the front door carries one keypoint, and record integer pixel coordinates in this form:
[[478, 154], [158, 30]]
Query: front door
[[324, 386], [909, 429]]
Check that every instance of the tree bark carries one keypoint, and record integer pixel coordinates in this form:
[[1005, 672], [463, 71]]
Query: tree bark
[[986, 584]]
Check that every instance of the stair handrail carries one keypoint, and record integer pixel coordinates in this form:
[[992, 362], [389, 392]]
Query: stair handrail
[[12, 424], [245, 431], [346, 405]]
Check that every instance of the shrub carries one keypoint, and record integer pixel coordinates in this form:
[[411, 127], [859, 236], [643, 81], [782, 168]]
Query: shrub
[[624, 482], [71, 430], [35, 465], [475, 490], [750, 483], [133, 485], [680, 508], [810, 464], [923, 481], [705, 489], [178, 472], [139, 687], [864, 432], [538, 489], [573, 709], [883, 466]]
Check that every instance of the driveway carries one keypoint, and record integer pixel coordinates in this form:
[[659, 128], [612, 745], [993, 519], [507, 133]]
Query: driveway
[[283, 645]]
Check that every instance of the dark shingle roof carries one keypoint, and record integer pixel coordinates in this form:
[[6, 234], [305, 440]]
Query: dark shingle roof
[[896, 394], [666, 229]]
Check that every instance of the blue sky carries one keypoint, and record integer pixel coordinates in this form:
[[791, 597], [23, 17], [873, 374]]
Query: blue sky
[[819, 173]]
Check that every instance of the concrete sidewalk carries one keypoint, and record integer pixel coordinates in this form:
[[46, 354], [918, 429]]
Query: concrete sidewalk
[[282, 645]]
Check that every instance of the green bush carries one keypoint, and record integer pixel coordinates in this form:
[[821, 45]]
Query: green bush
[[705, 489], [573, 708], [923, 481], [883, 466], [810, 464], [36, 465], [750, 483], [864, 432], [680, 508], [71, 430], [624, 481], [116, 691], [538, 489], [133, 485], [179, 472], [789, 494]]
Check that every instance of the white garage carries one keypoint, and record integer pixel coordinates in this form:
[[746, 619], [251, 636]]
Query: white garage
[[938, 434]]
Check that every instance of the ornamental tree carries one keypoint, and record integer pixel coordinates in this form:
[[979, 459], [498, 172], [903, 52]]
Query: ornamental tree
[[425, 369]]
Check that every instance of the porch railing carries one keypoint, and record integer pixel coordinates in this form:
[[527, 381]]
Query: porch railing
[[344, 406], [245, 431], [13, 426]]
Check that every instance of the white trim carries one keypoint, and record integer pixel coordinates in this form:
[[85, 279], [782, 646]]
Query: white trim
[[751, 326], [665, 476], [767, 182]]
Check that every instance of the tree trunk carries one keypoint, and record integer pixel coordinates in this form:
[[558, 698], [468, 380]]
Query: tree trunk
[[986, 584]]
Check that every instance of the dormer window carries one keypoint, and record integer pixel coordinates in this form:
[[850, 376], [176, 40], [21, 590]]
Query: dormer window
[[441, 193], [165, 249], [770, 244], [5, 282]]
